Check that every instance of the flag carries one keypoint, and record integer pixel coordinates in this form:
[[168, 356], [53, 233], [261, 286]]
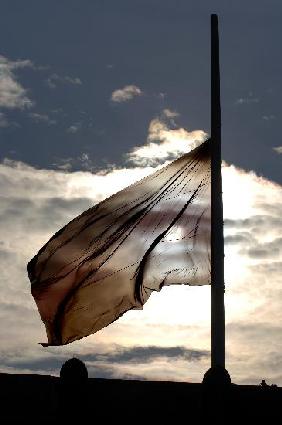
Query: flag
[[110, 258]]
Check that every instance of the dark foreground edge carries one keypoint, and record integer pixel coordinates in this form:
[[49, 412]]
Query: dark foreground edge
[[43, 397]]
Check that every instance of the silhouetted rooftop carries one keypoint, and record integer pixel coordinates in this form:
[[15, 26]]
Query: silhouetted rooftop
[[37, 397]]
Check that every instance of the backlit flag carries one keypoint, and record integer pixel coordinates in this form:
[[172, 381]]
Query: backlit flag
[[109, 259]]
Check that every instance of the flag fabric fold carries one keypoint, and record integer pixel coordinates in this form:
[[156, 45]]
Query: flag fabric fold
[[110, 258]]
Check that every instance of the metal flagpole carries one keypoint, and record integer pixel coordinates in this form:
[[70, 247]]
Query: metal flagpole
[[217, 240]]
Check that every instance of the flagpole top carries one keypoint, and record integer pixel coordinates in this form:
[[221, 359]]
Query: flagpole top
[[214, 17]]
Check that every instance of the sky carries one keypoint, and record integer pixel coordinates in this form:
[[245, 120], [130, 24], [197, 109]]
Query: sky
[[95, 95]]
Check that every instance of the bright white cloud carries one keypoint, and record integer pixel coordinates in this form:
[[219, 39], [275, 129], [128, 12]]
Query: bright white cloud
[[36, 203], [278, 149], [12, 94], [170, 114], [164, 142], [125, 94]]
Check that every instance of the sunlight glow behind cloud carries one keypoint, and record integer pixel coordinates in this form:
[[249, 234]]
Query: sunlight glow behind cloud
[[165, 143], [36, 203]]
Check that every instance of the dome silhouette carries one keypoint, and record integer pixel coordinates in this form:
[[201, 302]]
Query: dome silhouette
[[74, 370]]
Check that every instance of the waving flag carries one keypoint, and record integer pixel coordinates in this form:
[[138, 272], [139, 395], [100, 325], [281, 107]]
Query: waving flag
[[109, 259]]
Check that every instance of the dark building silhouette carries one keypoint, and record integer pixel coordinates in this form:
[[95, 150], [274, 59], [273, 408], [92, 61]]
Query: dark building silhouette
[[74, 370], [41, 399], [73, 394]]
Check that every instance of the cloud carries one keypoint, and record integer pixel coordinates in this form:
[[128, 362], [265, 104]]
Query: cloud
[[170, 114], [56, 79], [41, 118], [105, 362], [125, 94], [278, 149], [82, 162], [74, 128], [148, 354], [268, 117], [247, 99], [12, 94], [259, 358], [36, 203], [64, 164], [3, 120], [238, 238], [165, 143], [264, 250], [26, 63]]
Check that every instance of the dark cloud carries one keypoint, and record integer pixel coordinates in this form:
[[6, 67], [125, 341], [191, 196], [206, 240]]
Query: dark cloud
[[254, 332], [265, 250], [5, 255], [52, 364], [255, 227], [258, 350], [40, 214], [273, 208], [108, 372], [48, 364], [257, 222], [258, 253], [269, 269], [148, 354], [238, 238], [73, 205], [104, 365]]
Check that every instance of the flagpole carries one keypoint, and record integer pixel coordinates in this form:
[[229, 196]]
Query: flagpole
[[217, 240]]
